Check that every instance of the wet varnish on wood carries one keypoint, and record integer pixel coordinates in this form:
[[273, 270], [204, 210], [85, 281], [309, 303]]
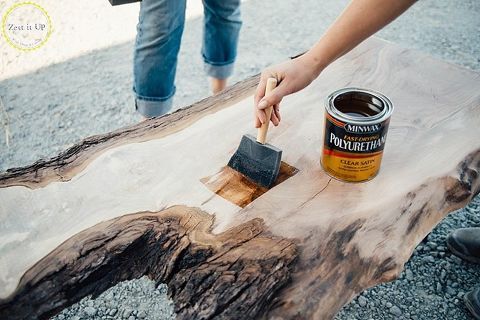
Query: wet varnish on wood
[[237, 188], [148, 199]]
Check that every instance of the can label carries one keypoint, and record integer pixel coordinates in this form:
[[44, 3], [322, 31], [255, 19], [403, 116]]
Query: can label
[[353, 151]]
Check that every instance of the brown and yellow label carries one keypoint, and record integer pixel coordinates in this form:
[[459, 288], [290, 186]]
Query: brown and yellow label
[[353, 152]]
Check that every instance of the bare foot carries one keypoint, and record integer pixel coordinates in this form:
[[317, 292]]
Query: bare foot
[[218, 85]]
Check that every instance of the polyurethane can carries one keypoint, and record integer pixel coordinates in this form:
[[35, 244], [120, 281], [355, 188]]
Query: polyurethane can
[[356, 125]]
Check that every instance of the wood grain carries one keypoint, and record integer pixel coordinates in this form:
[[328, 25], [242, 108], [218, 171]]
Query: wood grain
[[348, 236], [72, 161], [232, 275]]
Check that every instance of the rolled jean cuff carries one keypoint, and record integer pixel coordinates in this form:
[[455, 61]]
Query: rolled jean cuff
[[219, 71], [154, 107]]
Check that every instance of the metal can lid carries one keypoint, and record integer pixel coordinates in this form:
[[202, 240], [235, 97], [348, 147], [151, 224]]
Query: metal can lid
[[359, 106]]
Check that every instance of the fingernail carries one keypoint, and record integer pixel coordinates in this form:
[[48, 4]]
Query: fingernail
[[262, 104]]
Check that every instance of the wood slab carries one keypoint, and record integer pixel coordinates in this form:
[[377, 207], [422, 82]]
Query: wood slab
[[138, 201]]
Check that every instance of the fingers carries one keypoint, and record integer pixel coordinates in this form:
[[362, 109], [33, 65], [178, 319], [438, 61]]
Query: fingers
[[274, 97], [276, 109], [260, 91], [260, 117], [276, 118], [261, 87], [256, 119]]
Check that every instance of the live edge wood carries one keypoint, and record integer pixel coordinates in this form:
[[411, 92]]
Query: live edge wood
[[64, 166], [232, 275], [148, 200]]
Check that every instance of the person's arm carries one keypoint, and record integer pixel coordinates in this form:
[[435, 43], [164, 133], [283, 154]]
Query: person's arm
[[358, 21]]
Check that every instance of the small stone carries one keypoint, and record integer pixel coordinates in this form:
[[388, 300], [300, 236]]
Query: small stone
[[112, 312], [142, 307], [131, 318], [126, 313], [142, 314], [388, 305], [443, 274], [362, 301], [451, 291], [109, 296], [432, 245], [439, 287], [430, 259], [396, 311], [90, 311], [456, 260], [409, 274]]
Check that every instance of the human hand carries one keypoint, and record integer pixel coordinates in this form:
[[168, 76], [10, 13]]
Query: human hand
[[292, 76]]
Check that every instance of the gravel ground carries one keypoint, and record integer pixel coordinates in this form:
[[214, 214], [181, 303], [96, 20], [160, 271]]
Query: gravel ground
[[135, 299], [48, 107]]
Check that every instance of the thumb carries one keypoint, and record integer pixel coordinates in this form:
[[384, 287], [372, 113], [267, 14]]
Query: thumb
[[274, 97]]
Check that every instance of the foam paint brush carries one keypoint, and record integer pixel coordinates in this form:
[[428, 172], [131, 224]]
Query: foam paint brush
[[255, 159]]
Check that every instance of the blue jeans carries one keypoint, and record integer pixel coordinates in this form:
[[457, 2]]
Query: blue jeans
[[159, 33]]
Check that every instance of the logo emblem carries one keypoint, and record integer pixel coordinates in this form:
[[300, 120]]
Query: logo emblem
[[352, 128], [26, 26]]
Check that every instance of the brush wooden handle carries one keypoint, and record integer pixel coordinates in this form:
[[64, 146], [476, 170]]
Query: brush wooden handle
[[262, 131]]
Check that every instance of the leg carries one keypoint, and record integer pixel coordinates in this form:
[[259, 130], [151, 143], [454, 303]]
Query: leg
[[220, 38], [159, 33], [217, 85]]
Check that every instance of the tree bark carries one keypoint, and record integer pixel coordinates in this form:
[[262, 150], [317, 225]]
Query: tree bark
[[156, 199]]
